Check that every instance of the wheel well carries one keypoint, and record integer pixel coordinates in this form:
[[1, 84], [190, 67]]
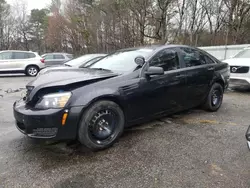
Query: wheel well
[[106, 98], [110, 98], [32, 66], [221, 83]]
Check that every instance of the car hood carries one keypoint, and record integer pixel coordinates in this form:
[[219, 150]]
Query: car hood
[[238, 61], [55, 67], [62, 77]]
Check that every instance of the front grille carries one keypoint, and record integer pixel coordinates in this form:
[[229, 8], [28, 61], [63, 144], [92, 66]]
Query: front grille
[[239, 69]]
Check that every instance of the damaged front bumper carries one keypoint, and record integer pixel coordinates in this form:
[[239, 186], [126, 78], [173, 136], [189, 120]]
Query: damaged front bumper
[[46, 124]]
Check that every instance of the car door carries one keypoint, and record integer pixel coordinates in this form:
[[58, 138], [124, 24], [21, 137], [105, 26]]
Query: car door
[[6, 63], [49, 60], [163, 93], [20, 59], [59, 59], [199, 70]]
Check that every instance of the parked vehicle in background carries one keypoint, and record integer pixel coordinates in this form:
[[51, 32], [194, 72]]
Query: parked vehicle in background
[[13, 61], [52, 59], [80, 62], [125, 88], [240, 69]]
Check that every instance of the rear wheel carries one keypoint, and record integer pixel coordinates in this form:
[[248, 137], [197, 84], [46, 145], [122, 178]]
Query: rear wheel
[[32, 70], [214, 98], [101, 125]]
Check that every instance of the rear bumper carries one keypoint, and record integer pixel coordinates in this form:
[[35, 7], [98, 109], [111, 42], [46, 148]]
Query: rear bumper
[[46, 124]]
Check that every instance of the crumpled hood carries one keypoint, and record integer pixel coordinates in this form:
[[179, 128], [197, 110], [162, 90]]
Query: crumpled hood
[[56, 67], [238, 61], [62, 77]]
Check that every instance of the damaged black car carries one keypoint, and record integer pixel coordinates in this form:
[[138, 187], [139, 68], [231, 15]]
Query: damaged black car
[[127, 87]]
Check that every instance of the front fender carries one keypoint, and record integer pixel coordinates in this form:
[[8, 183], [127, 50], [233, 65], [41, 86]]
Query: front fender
[[84, 97]]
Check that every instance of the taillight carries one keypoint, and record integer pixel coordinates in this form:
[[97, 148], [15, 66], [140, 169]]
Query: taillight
[[42, 60]]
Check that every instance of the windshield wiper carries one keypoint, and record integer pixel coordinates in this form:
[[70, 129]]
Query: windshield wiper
[[101, 69], [67, 65]]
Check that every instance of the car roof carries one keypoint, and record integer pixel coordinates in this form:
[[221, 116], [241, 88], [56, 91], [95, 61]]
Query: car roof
[[155, 47], [58, 53]]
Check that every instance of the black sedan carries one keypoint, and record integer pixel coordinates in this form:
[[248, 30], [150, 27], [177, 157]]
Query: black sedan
[[125, 88]]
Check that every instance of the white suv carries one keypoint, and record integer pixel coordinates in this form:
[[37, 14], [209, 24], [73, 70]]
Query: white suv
[[27, 62], [240, 69]]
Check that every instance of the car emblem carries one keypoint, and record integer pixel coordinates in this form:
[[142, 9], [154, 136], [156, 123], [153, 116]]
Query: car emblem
[[234, 69]]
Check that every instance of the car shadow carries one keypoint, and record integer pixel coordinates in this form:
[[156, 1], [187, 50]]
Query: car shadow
[[50, 154], [69, 148]]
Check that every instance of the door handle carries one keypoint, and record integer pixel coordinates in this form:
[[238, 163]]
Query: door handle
[[210, 68]]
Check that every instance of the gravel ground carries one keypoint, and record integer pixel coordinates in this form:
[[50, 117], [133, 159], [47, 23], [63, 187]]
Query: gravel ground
[[191, 149]]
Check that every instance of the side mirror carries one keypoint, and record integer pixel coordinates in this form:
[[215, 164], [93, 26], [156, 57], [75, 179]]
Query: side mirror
[[140, 60], [154, 71]]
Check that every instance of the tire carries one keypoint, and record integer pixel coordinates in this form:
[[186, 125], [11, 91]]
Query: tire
[[214, 98], [101, 125], [32, 70]]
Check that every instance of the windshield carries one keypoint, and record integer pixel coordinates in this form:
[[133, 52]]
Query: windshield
[[91, 62], [80, 60], [243, 54], [121, 61]]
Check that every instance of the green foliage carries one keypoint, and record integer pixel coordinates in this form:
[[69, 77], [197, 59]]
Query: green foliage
[[85, 34]]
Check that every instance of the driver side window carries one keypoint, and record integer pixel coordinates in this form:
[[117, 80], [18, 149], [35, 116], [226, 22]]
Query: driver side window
[[167, 59]]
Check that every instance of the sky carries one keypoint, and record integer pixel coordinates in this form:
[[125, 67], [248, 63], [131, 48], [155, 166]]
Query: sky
[[31, 4]]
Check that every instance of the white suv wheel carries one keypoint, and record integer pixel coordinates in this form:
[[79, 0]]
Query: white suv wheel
[[32, 71]]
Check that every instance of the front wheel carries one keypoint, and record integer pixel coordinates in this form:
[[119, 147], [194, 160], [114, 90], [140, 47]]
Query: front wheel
[[32, 70], [214, 98], [101, 125]]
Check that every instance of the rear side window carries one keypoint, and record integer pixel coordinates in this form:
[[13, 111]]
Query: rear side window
[[49, 57], [167, 59], [5, 55], [208, 59], [22, 55], [58, 56], [192, 57], [31, 55]]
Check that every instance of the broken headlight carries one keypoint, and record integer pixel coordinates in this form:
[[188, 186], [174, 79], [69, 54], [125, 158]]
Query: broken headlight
[[55, 100]]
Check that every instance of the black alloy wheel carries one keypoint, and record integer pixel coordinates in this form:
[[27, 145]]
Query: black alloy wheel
[[101, 125], [214, 98]]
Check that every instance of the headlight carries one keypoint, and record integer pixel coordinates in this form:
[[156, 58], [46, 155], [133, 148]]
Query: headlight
[[55, 100]]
